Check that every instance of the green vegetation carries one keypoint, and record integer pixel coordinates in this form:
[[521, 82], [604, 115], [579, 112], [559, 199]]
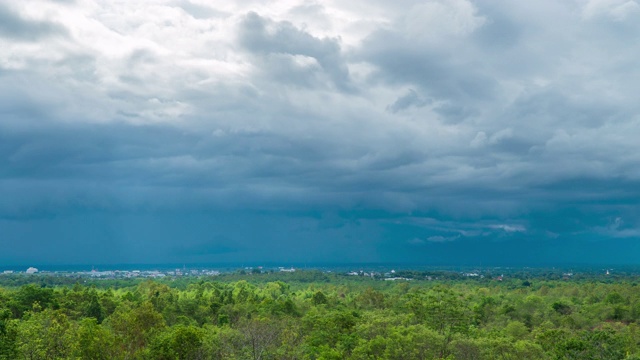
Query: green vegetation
[[311, 315]]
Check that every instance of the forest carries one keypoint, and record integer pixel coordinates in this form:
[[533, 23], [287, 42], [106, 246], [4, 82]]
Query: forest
[[312, 315]]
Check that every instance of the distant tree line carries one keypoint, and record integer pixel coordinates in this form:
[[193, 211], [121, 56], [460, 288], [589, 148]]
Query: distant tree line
[[319, 316]]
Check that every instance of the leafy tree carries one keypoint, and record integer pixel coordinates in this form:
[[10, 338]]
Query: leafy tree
[[28, 295], [133, 326], [370, 299], [44, 335], [221, 343], [516, 330], [264, 317], [94, 341], [561, 308], [8, 336], [180, 343], [319, 298], [261, 337], [94, 307]]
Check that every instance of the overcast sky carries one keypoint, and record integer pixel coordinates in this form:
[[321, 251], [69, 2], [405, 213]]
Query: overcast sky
[[432, 132]]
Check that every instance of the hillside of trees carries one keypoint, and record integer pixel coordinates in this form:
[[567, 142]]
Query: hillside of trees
[[315, 316]]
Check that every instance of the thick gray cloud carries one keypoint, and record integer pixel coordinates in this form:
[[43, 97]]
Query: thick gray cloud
[[289, 54], [433, 132], [14, 26]]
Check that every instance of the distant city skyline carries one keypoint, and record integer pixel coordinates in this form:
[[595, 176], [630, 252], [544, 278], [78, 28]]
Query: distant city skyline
[[424, 132]]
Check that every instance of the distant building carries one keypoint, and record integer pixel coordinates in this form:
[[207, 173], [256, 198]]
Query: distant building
[[32, 270], [287, 270], [397, 278]]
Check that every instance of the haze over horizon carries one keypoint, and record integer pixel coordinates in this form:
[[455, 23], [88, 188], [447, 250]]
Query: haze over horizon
[[428, 132]]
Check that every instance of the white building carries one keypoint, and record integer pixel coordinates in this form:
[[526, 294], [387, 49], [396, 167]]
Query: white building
[[32, 270]]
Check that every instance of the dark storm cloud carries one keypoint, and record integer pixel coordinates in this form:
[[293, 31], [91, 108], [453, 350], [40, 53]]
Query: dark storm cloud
[[215, 246], [161, 158], [14, 26], [118, 167], [425, 131]]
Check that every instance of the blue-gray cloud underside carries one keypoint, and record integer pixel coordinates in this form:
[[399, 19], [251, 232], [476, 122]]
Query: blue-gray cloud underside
[[121, 193], [16, 27]]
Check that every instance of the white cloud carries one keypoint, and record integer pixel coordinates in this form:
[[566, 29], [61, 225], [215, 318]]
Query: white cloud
[[510, 228], [618, 10], [440, 238], [439, 21]]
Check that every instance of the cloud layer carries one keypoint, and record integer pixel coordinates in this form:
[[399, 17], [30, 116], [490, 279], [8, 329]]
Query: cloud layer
[[319, 131]]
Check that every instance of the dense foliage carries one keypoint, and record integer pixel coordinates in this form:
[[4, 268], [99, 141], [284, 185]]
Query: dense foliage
[[259, 316]]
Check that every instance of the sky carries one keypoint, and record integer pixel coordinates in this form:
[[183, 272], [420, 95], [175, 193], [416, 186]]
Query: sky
[[427, 132]]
